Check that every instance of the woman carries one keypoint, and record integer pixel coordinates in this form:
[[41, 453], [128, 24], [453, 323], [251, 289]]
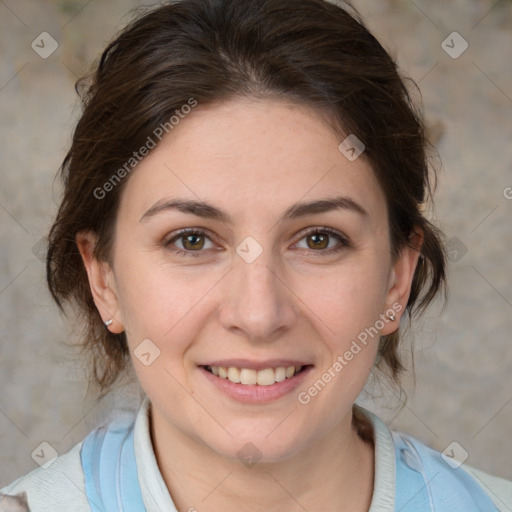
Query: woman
[[242, 224]]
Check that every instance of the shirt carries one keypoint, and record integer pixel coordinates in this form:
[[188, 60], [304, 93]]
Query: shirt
[[116, 465]]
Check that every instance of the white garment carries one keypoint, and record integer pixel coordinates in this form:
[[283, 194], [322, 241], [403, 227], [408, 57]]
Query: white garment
[[60, 487]]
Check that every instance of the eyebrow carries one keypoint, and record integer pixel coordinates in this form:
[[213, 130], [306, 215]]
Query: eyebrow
[[208, 211]]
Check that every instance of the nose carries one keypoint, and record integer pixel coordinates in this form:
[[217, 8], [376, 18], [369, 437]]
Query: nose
[[257, 301]]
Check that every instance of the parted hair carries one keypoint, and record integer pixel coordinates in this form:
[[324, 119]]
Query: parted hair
[[312, 52]]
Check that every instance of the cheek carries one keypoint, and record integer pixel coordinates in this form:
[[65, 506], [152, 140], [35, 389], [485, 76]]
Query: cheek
[[159, 302], [348, 306], [350, 298], [157, 309]]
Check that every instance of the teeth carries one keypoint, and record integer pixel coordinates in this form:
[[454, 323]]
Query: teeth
[[265, 377], [280, 374], [248, 377], [234, 375]]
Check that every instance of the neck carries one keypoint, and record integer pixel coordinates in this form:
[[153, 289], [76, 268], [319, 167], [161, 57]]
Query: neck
[[334, 474]]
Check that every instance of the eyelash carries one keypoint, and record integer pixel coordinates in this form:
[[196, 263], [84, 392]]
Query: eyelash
[[344, 242]]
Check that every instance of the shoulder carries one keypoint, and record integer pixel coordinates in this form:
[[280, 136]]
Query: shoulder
[[410, 476], [66, 483], [450, 483], [59, 486], [499, 489]]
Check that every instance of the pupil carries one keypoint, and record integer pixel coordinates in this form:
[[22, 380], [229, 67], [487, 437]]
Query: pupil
[[319, 240], [192, 240]]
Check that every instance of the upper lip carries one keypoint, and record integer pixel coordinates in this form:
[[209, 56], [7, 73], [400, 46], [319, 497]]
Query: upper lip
[[256, 365]]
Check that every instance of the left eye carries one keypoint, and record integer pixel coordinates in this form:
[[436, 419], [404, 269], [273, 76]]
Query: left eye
[[319, 240]]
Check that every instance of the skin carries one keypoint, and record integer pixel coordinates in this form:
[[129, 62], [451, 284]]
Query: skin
[[253, 159]]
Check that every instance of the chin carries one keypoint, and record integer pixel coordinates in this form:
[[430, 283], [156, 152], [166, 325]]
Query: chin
[[257, 445]]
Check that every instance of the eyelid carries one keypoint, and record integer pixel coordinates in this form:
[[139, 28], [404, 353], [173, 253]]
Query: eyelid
[[315, 229], [186, 231]]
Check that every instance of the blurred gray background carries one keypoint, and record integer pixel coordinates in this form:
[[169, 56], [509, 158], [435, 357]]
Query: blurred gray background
[[463, 356]]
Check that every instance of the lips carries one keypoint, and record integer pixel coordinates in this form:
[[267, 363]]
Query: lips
[[256, 382]]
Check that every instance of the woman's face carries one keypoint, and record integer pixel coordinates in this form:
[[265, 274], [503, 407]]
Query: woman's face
[[287, 264]]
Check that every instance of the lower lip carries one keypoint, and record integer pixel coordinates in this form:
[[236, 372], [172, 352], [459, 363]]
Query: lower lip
[[255, 393]]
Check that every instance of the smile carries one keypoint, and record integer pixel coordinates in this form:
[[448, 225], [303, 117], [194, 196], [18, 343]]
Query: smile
[[250, 377], [264, 382]]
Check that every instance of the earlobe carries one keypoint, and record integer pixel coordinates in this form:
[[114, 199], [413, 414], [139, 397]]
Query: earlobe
[[401, 279], [101, 282]]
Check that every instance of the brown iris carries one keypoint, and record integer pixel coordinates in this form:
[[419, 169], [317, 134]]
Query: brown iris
[[192, 239], [321, 241]]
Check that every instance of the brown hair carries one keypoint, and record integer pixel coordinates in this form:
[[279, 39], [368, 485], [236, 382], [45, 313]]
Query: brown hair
[[308, 51]]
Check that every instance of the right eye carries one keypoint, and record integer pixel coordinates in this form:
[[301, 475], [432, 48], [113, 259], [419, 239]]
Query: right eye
[[192, 240]]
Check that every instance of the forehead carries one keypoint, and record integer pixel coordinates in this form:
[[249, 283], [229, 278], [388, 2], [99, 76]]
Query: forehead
[[249, 155]]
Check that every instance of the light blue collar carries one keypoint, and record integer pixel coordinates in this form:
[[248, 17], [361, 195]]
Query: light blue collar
[[427, 483], [110, 469]]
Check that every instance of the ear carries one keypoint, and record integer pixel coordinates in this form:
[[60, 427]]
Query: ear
[[101, 281], [401, 277]]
